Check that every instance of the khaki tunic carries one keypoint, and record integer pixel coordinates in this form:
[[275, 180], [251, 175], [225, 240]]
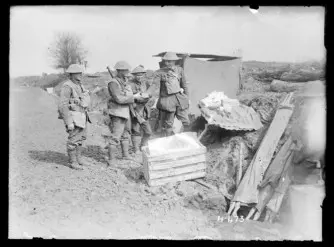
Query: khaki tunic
[[121, 97], [140, 106], [170, 82], [74, 100]]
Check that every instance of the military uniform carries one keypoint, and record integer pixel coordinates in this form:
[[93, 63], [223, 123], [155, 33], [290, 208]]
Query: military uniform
[[143, 112], [121, 97], [172, 102], [74, 100]]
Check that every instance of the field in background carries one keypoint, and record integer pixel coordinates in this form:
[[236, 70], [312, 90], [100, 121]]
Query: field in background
[[259, 71]]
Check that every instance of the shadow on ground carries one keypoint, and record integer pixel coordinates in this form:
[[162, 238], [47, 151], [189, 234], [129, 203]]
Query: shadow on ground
[[95, 152], [49, 157], [135, 174]]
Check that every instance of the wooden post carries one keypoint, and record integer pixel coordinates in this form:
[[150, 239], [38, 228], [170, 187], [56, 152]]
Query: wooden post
[[203, 132], [240, 165]]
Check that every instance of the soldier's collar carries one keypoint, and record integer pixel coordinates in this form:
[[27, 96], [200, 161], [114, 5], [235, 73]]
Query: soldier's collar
[[138, 82], [121, 79], [79, 83], [172, 69]]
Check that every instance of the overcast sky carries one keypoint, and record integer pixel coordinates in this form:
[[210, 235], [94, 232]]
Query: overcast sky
[[112, 33]]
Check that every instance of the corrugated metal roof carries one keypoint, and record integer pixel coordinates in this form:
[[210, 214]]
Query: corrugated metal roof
[[208, 56]]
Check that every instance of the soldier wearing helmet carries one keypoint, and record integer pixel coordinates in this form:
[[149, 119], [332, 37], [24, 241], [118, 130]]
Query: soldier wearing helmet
[[142, 111], [174, 94], [74, 100], [121, 97]]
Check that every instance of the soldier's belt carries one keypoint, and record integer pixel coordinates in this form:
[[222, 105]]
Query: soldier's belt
[[75, 107]]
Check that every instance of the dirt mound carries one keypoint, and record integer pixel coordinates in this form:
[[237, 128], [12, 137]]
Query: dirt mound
[[252, 85], [223, 163], [294, 72], [264, 104]]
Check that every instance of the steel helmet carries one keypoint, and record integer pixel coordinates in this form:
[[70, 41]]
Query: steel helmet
[[170, 56], [74, 68], [122, 65], [138, 69]]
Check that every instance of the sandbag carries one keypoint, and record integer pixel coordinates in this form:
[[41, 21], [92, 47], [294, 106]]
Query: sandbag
[[303, 75], [284, 86]]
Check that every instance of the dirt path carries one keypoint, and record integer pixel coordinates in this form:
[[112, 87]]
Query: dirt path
[[47, 199]]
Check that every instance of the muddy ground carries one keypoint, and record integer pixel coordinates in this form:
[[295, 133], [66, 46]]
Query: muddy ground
[[48, 199]]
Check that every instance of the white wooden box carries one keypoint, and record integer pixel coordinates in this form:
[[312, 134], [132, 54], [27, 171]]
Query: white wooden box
[[174, 166]]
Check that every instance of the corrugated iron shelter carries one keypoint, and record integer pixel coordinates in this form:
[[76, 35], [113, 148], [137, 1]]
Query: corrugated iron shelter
[[217, 73]]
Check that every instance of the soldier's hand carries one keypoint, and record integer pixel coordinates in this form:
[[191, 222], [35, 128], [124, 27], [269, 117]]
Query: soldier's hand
[[70, 127], [145, 95], [181, 90], [137, 96]]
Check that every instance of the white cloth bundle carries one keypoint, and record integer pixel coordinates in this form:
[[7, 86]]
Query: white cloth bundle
[[179, 142]]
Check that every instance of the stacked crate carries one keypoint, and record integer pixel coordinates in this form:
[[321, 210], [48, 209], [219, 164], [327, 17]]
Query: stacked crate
[[174, 166]]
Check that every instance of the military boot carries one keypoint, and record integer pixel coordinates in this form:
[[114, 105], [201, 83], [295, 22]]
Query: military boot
[[144, 141], [73, 163], [125, 150], [169, 132], [112, 149], [136, 144], [80, 160]]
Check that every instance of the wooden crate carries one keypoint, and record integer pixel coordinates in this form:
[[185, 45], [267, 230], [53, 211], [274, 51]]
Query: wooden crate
[[173, 167]]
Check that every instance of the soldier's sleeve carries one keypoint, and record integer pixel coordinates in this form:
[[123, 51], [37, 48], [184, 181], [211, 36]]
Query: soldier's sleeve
[[118, 95], [65, 95], [184, 83], [133, 88], [154, 88]]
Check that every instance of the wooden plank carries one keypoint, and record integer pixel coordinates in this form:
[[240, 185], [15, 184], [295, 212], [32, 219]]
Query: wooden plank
[[203, 132], [276, 200], [247, 191], [182, 177], [180, 158], [208, 56], [152, 166], [277, 166], [201, 182], [176, 171], [176, 155]]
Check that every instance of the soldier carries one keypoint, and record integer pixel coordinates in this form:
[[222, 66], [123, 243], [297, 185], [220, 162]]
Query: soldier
[[174, 94], [74, 100], [121, 97], [142, 111]]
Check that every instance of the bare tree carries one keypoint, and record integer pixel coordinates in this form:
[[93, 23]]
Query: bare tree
[[66, 49]]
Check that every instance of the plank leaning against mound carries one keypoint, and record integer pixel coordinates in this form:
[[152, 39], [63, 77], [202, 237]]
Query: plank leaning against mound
[[74, 100]]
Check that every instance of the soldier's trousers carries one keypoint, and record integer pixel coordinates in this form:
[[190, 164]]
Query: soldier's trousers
[[120, 129], [167, 119], [136, 126], [76, 137]]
